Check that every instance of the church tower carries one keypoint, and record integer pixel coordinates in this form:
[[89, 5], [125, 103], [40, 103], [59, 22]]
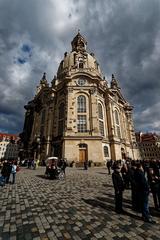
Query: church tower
[[82, 118]]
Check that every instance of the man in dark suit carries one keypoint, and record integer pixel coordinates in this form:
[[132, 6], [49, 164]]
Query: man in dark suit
[[142, 189], [6, 170], [119, 188]]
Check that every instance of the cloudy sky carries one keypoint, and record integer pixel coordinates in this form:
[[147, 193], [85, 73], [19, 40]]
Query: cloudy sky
[[124, 35]]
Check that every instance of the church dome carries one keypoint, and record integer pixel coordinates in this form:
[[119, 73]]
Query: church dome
[[78, 59]]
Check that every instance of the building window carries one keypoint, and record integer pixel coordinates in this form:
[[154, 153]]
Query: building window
[[80, 62], [81, 104], [118, 132], [42, 122], [81, 81], [42, 130], [81, 65], [106, 153], [74, 58], [43, 116], [101, 119], [60, 127], [116, 117], [100, 111], [82, 114], [101, 128], [117, 123], [82, 123], [61, 119], [61, 111], [82, 145]]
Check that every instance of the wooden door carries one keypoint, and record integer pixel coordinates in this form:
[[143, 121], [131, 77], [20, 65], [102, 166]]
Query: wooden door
[[82, 155]]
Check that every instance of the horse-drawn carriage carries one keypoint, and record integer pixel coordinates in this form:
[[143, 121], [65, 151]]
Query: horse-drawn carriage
[[53, 168]]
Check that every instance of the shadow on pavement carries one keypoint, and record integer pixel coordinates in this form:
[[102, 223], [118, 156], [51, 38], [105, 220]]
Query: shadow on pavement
[[105, 199], [102, 173], [154, 212], [96, 203], [109, 194], [42, 176], [107, 185], [99, 203], [111, 200], [131, 215]]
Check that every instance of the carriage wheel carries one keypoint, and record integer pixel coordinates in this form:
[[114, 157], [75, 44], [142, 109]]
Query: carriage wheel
[[61, 176]]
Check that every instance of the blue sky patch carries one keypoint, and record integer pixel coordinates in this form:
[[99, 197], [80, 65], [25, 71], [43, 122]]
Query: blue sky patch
[[26, 48], [21, 60]]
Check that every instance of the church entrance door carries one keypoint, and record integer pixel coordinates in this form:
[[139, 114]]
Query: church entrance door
[[83, 155]]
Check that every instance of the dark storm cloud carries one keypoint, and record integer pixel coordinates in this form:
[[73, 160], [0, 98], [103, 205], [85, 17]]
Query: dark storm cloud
[[126, 43], [124, 35]]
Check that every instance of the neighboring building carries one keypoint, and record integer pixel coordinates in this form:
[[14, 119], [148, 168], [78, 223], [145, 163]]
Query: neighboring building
[[9, 146], [79, 117], [149, 145]]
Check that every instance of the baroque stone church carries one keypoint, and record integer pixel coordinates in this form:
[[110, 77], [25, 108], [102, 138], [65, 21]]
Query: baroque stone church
[[79, 117]]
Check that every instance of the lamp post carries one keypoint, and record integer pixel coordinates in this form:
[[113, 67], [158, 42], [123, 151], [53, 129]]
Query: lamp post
[[38, 139]]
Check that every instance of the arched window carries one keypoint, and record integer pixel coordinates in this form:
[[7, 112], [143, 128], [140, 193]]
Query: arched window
[[106, 153], [116, 117], [81, 104], [117, 124], [61, 119], [80, 62], [100, 111], [82, 115], [101, 119]]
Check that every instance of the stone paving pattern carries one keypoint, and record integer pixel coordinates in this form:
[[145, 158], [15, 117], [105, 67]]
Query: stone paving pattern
[[79, 207]]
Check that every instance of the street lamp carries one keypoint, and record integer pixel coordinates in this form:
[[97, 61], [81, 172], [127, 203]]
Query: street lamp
[[38, 139]]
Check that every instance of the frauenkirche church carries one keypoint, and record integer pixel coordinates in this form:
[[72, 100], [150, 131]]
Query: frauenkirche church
[[79, 117]]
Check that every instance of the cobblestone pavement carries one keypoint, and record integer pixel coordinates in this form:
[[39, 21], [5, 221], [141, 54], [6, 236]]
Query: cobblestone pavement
[[79, 207]]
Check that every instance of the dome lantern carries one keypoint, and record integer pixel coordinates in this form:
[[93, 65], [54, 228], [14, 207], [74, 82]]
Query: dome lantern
[[79, 43]]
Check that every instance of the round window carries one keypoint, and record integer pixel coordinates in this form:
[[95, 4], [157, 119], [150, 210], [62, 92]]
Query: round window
[[81, 81]]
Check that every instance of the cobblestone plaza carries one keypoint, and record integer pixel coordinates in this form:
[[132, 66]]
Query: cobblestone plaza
[[79, 207]]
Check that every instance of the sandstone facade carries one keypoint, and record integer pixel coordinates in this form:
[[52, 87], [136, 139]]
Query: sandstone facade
[[79, 117]]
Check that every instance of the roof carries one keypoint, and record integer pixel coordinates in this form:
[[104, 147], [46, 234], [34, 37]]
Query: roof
[[8, 136]]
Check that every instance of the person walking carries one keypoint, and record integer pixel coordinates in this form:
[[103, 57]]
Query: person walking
[[14, 167], [63, 166], [37, 163], [109, 165], [154, 182], [85, 165], [119, 188], [6, 170]]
